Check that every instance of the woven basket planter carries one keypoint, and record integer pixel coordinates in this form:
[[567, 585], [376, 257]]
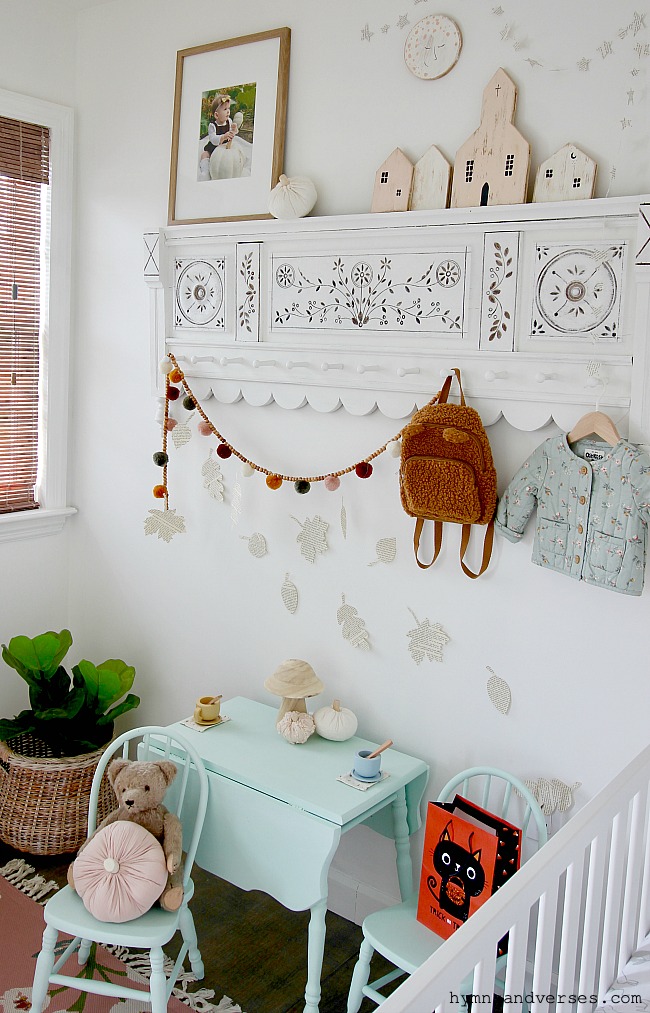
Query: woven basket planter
[[44, 799]]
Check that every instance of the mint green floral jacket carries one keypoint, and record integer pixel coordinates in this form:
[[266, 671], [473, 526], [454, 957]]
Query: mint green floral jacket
[[593, 507]]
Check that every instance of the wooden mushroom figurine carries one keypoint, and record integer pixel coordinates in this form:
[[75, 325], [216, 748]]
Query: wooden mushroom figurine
[[294, 681]]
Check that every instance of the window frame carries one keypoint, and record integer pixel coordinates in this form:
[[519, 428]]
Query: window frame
[[53, 512]]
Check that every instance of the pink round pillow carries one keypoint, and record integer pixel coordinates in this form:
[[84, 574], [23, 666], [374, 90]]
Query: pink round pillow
[[121, 873]]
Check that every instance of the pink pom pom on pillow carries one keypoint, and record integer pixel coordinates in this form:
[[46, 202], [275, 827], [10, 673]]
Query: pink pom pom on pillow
[[121, 873]]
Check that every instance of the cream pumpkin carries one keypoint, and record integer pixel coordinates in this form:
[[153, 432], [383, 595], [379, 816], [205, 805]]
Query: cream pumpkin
[[335, 722], [292, 197]]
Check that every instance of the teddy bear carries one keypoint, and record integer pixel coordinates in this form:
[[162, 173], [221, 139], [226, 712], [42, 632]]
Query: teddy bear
[[140, 788]]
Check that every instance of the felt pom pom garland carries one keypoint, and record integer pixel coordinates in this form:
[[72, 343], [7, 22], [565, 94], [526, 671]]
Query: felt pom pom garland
[[302, 484]]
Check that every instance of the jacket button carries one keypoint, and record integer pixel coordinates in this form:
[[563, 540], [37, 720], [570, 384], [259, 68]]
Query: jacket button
[[583, 470], [577, 559], [582, 500], [580, 529]]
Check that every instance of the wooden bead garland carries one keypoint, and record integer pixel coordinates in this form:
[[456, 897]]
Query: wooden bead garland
[[302, 484]]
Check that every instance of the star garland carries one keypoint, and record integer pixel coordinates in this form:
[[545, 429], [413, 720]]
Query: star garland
[[302, 484]]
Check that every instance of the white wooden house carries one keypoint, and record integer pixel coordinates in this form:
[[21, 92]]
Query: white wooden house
[[491, 167], [569, 174], [431, 181]]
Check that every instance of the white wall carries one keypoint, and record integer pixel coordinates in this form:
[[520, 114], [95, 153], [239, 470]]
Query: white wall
[[37, 48], [201, 612]]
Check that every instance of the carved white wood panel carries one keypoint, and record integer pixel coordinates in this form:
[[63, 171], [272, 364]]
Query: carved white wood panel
[[578, 291], [542, 306], [248, 291], [199, 293], [406, 293], [499, 290]]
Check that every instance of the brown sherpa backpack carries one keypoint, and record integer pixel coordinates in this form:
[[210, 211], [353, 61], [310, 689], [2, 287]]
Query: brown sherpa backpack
[[447, 473]]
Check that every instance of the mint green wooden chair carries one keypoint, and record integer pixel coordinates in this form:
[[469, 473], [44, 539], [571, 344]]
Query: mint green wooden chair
[[395, 932], [66, 913]]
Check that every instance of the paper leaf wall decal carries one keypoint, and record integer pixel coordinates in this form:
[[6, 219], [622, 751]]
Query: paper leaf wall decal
[[499, 693], [289, 593], [212, 478], [235, 505], [164, 523], [552, 794], [426, 640], [312, 537], [344, 520], [353, 627], [386, 549], [256, 544], [181, 434]]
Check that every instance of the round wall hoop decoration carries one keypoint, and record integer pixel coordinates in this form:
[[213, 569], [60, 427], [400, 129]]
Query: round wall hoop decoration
[[432, 47]]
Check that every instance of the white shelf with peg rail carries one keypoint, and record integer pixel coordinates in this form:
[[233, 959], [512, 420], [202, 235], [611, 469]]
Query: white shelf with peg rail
[[545, 308]]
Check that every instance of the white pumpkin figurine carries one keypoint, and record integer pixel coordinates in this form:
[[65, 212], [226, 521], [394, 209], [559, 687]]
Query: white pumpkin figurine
[[292, 197], [335, 722]]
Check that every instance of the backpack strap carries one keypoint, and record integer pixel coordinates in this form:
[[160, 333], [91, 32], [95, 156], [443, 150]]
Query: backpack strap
[[444, 393], [487, 549], [437, 541]]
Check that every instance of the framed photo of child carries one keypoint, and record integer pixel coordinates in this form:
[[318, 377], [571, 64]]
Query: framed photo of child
[[230, 106]]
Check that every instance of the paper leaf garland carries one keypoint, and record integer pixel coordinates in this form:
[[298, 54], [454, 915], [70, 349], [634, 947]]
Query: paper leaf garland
[[344, 520], [426, 640], [552, 794], [164, 523], [312, 537], [386, 549], [212, 478], [354, 629], [181, 434], [289, 594], [499, 693], [256, 544]]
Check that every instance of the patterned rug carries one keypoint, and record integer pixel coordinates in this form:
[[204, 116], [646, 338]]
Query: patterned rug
[[21, 927]]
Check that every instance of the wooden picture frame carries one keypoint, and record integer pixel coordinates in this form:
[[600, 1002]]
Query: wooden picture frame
[[235, 89]]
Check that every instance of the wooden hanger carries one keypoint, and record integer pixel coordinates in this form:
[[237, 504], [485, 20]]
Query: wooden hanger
[[597, 423]]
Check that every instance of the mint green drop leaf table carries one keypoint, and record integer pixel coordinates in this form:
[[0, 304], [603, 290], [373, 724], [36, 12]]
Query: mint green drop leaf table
[[276, 812]]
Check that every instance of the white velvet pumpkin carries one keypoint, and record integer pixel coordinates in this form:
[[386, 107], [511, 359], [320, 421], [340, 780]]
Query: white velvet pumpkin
[[292, 197], [335, 722]]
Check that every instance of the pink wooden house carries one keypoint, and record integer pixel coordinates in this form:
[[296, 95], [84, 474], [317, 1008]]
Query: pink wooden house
[[393, 181]]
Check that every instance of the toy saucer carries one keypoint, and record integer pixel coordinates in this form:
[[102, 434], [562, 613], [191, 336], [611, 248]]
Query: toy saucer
[[373, 777], [206, 724]]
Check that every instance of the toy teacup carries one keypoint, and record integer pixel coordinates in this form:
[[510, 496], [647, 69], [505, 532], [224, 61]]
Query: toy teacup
[[207, 709]]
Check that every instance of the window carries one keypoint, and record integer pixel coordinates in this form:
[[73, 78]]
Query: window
[[577, 181], [384, 177], [510, 162], [35, 237], [24, 232], [398, 192], [469, 170], [549, 174]]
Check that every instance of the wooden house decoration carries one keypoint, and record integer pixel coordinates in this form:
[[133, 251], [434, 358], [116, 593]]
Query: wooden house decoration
[[569, 174], [393, 181], [491, 167], [431, 181]]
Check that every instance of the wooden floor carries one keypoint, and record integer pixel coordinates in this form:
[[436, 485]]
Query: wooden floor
[[253, 949]]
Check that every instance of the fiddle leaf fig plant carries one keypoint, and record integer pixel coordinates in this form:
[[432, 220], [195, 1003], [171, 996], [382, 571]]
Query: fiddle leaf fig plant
[[72, 714]]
